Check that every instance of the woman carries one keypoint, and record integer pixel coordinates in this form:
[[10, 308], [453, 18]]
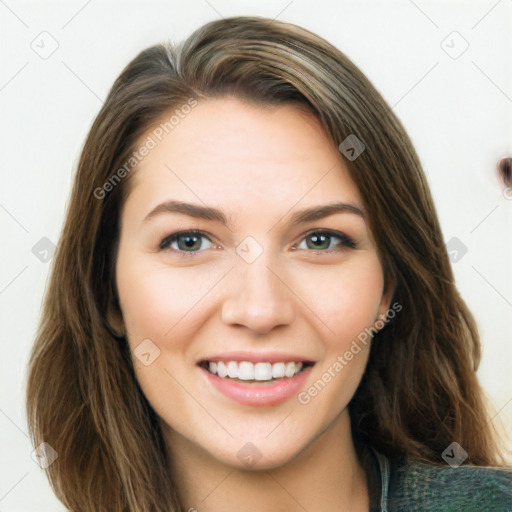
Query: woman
[[251, 306]]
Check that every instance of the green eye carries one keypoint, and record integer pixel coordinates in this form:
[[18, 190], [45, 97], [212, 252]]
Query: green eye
[[185, 242], [321, 241]]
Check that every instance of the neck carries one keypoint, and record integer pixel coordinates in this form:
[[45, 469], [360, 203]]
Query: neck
[[326, 475]]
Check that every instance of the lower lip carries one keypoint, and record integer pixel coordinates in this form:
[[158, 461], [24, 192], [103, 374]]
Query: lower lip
[[259, 395]]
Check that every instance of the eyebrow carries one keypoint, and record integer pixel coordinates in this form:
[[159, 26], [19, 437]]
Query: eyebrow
[[209, 213]]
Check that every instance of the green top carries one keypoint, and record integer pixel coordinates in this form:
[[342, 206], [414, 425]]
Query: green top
[[396, 486]]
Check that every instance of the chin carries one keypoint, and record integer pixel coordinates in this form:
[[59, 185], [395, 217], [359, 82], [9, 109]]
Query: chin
[[253, 458]]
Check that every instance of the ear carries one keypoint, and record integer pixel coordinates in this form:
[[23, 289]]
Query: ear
[[115, 321], [386, 298]]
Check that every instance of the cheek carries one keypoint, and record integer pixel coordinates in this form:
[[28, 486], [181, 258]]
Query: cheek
[[346, 299], [158, 302], [146, 303]]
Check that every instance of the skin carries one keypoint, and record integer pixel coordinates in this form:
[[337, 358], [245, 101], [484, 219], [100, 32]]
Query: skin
[[259, 165]]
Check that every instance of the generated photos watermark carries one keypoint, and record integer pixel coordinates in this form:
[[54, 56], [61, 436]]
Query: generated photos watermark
[[150, 143], [305, 397]]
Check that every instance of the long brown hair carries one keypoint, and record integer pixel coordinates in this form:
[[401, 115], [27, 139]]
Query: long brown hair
[[419, 392]]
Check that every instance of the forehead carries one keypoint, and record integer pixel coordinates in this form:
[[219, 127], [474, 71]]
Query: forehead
[[246, 156]]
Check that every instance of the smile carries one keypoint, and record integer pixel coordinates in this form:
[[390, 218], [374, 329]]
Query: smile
[[257, 384], [248, 371]]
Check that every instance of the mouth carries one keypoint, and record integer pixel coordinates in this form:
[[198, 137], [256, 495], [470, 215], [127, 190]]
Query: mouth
[[256, 383], [261, 372]]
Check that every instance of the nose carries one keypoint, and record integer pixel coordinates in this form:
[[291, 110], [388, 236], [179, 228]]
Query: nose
[[258, 297]]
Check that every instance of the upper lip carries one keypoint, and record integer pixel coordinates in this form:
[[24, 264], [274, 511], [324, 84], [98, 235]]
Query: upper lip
[[257, 357]]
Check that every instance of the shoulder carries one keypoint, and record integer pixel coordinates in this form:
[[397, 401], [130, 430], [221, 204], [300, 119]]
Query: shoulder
[[428, 487]]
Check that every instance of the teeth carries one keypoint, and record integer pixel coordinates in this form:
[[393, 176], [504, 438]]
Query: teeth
[[289, 370], [245, 370], [278, 370], [222, 371], [233, 369], [262, 371]]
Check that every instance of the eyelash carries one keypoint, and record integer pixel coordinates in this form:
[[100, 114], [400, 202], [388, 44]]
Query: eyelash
[[345, 241]]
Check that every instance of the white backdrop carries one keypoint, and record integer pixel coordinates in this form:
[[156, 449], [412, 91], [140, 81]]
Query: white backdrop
[[443, 66]]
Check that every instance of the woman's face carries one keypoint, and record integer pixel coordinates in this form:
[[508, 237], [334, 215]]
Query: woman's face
[[260, 288]]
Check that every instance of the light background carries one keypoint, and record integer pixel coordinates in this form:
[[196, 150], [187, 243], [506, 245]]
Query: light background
[[458, 112]]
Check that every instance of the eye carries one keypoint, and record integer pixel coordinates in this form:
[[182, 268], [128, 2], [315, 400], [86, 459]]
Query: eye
[[320, 241], [186, 242]]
